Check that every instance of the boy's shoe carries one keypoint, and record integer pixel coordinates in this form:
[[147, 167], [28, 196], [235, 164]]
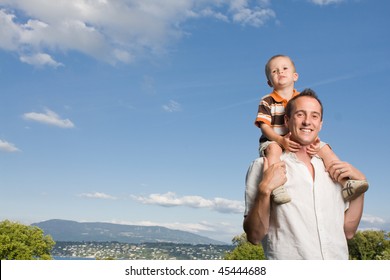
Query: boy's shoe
[[280, 195], [354, 188]]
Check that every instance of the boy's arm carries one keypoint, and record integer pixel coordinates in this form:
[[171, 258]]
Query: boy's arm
[[283, 141], [271, 134]]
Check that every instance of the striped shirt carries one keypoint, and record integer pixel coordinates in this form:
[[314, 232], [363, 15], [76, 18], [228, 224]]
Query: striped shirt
[[271, 112]]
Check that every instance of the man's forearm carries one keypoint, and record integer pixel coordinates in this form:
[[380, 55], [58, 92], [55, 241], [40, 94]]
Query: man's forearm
[[256, 223], [352, 216]]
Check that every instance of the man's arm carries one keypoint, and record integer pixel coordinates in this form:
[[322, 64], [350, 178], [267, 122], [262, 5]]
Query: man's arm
[[343, 170], [256, 222], [352, 216]]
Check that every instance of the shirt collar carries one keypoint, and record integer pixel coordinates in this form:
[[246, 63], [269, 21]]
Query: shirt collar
[[293, 156], [278, 98]]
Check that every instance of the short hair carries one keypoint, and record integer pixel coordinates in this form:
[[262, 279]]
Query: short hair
[[306, 92], [267, 69]]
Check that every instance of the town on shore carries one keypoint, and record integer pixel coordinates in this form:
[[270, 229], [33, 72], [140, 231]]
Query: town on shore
[[143, 251]]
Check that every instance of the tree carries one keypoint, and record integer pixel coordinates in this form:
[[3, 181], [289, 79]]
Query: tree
[[21, 242], [244, 250], [366, 245], [370, 245]]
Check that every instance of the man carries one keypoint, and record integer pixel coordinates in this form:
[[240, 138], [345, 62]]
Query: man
[[317, 222]]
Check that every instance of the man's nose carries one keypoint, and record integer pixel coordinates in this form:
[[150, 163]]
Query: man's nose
[[306, 120]]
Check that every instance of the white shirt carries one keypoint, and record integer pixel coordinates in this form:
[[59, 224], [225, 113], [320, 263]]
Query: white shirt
[[311, 226]]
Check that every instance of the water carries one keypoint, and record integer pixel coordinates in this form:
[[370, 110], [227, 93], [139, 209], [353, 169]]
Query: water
[[61, 258]]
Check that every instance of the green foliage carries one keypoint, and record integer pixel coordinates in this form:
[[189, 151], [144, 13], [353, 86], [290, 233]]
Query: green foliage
[[366, 245], [370, 245], [21, 242], [245, 250]]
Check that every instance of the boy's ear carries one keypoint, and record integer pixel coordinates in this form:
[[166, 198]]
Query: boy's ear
[[269, 83]]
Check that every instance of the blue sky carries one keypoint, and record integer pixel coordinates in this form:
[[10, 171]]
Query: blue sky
[[141, 112]]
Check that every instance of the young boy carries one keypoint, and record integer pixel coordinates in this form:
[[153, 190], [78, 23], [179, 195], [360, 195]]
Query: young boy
[[281, 76]]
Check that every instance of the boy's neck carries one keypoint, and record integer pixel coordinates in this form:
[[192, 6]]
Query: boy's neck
[[286, 93]]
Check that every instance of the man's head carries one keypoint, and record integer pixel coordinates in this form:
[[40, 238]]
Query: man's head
[[303, 117]]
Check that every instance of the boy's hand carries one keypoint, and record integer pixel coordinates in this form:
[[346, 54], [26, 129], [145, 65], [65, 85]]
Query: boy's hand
[[290, 145], [314, 147]]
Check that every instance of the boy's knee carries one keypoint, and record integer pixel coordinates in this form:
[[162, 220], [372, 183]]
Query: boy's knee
[[274, 149]]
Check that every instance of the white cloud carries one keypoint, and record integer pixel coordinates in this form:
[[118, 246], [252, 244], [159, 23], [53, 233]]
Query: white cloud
[[191, 227], [325, 2], [8, 147], [170, 199], [40, 59], [172, 106], [369, 222], [245, 14], [372, 219], [97, 195], [49, 117], [112, 31]]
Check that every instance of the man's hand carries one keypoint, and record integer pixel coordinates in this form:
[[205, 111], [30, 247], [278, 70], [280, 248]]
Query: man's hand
[[339, 170], [273, 176]]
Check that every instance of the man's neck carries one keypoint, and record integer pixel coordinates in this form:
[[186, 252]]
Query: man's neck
[[303, 156]]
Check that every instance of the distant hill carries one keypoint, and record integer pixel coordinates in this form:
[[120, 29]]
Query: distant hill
[[63, 230]]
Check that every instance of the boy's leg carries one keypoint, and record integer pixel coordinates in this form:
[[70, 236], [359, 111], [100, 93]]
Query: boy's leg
[[327, 155], [351, 188], [273, 153]]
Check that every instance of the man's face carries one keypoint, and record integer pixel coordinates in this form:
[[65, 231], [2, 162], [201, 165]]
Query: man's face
[[305, 122]]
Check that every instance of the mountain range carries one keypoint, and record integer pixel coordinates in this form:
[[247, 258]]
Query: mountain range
[[65, 230]]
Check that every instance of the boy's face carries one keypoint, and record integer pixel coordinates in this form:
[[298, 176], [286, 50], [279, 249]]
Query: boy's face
[[281, 73]]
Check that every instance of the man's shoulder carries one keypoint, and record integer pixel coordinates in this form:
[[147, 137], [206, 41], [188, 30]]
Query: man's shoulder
[[254, 171]]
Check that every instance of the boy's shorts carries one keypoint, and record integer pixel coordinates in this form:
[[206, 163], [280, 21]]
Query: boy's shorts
[[264, 145]]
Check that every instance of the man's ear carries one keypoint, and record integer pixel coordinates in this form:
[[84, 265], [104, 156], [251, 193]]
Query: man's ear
[[269, 83], [286, 121]]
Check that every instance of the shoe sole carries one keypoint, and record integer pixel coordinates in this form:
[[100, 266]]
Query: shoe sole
[[349, 195]]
